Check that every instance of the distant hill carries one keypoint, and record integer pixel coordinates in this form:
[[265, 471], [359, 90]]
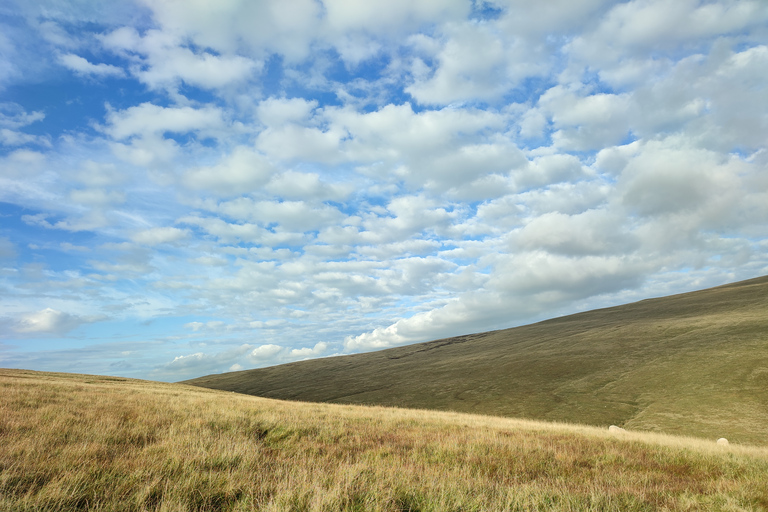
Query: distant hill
[[692, 364]]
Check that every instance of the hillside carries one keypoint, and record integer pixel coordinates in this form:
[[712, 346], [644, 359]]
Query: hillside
[[77, 442], [691, 364]]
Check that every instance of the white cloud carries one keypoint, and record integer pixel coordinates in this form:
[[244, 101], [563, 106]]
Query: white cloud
[[642, 25], [162, 61], [151, 151], [16, 138], [545, 18], [294, 216], [659, 183], [292, 142], [264, 352], [22, 162], [13, 115], [96, 197], [203, 70], [211, 326], [81, 66], [391, 15], [150, 119], [157, 236], [100, 174], [285, 27], [275, 112], [299, 185], [477, 62], [587, 122], [308, 352], [242, 170], [591, 232], [47, 321]]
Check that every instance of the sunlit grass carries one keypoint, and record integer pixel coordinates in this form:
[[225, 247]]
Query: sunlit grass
[[72, 442]]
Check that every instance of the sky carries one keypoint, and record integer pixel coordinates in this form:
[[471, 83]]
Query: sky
[[191, 187]]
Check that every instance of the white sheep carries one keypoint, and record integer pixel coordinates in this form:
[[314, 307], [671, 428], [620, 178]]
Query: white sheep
[[722, 441], [616, 430]]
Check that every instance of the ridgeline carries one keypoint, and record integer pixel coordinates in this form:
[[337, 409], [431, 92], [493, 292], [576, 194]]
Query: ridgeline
[[691, 364]]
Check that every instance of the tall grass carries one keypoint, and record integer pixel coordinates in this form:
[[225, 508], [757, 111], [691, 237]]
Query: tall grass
[[71, 442]]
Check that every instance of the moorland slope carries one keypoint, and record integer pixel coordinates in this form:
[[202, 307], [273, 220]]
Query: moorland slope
[[691, 364], [76, 442]]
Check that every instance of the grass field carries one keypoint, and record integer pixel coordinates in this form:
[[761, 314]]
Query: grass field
[[74, 442], [692, 364]]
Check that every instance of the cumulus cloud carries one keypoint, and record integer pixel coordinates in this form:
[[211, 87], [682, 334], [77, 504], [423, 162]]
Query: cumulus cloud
[[590, 232], [279, 26], [640, 26], [477, 62], [47, 322], [265, 352], [242, 170], [295, 185], [156, 236], [309, 352], [82, 66], [148, 119], [588, 122], [167, 62]]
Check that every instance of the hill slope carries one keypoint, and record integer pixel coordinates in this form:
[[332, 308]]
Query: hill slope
[[76, 442], [693, 364]]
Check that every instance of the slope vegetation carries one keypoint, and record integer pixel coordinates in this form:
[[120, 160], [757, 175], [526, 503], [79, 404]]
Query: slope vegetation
[[691, 364], [75, 442]]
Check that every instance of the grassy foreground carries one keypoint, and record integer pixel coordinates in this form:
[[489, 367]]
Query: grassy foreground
[[74, 442], [694, 364]]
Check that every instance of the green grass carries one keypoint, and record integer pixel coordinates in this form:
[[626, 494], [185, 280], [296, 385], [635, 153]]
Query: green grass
[[73, 442], [692, 364]]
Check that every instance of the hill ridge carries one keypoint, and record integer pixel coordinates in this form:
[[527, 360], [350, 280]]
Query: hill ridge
[[694, 363]]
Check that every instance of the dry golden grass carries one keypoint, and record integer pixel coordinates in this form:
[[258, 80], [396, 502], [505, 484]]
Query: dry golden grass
[[73, 442]]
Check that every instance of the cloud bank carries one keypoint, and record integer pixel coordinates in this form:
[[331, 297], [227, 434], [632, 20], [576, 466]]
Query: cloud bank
[[190, 188]]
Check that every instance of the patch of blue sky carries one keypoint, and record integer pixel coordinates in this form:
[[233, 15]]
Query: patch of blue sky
[[528, 91], [308, 90], [485, 11], [72, 106], [193, 93], [629, 138], [188, 139], [272, 79], [29, 236]]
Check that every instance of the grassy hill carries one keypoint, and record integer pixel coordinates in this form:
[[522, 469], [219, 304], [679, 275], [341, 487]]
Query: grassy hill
[[76, 442], [692, 364]]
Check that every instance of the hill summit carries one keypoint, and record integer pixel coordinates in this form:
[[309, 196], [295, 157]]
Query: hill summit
[[690, 364]]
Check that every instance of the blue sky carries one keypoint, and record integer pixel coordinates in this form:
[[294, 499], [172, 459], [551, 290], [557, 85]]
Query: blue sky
[[196, 187]]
